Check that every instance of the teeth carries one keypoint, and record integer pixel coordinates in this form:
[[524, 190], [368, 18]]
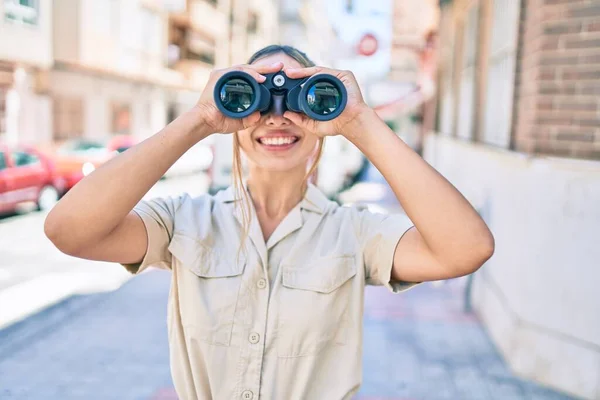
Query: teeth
[[279, 141]]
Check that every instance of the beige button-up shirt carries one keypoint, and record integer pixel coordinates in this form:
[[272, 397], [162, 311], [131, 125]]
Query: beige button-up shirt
[[280, 320]]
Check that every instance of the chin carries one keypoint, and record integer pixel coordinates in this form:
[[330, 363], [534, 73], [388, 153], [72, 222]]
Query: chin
[[281, 166]]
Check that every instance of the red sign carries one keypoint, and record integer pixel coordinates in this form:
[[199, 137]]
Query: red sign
[[367, 46]]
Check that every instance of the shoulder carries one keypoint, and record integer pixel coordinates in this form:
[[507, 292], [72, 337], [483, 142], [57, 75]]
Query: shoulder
[[204, 205], [342, 220], [177, 209]]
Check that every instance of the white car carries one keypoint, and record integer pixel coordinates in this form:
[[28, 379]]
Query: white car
[[340, 162], [220, 173], [197, 159]]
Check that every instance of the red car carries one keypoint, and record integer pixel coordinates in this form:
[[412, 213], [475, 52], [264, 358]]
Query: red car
[[28, 176], [77, 158]]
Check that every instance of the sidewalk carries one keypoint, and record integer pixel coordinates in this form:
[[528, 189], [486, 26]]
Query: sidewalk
[[418, 345], [35, 275]]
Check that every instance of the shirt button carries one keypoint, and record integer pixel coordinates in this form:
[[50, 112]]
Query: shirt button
[[254, 337], [262, 283], [247, 394]]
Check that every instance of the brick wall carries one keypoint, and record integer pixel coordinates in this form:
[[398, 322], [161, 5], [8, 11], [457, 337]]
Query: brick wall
[[557, 98]]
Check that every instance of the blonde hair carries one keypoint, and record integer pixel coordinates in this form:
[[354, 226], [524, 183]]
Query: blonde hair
[[238, 183]]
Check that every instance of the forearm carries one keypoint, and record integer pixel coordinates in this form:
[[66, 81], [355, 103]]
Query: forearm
[[449, 225], [97, 204]]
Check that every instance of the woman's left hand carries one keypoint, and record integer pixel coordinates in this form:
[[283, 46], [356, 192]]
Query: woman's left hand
[[354, 107]]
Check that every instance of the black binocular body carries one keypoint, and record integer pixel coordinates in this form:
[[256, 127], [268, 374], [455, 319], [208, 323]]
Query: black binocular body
[[321, 97]]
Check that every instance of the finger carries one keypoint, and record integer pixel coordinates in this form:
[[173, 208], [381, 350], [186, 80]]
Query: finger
[[296, 73], [267, 69], [250, 71], [256, 71]]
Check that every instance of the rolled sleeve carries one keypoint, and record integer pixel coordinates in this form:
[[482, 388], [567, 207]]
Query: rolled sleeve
[[380, 236], [158, 217]]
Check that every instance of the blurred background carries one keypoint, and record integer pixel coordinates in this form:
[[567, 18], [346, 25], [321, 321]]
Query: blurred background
[[500, 96]]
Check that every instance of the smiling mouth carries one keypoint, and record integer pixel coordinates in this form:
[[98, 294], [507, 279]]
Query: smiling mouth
[[278, 141]]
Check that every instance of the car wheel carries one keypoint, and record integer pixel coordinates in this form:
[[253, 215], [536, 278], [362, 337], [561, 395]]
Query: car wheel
[[47, 198]]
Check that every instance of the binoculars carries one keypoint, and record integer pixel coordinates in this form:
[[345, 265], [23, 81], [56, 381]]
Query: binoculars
[[321, 97]]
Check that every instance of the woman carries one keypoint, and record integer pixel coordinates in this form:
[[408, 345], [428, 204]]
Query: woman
[[268, 277]]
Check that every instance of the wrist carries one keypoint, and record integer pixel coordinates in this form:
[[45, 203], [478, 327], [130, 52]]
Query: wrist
[[361, 124], [199, 123]]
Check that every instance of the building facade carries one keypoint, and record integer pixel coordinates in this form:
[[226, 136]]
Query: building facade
[[94, 69], [519, 133], [25, 54]]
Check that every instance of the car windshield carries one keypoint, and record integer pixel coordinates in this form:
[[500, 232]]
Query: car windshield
[[83, 147]]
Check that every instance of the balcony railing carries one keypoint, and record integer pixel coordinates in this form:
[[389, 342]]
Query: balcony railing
[[195, 72]]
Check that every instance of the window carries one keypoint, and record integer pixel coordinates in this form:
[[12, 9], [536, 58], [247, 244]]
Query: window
[[501, 73], [151, 30], [177, 44], [2, 161], [2, 110], [466, 105], [349, 6], [171, 113], [188, 44], [21, 11], [23, 159], [252, 23], [200, 48], [121, 118], [446, 82], [68, 118]]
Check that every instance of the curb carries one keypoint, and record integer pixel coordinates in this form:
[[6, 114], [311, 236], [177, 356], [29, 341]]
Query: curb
[[28, 298]]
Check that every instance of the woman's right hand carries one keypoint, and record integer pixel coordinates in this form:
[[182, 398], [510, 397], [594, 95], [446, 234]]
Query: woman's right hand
[[214, 118]]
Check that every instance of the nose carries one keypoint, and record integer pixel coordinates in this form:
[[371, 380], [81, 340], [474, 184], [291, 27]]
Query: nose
[[275, 120], [275, 114]]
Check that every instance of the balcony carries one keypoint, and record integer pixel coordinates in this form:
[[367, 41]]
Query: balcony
[[206, 18], [195, 72]]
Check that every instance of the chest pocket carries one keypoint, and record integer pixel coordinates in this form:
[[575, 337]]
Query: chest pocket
[[209, 283], [313, 307]]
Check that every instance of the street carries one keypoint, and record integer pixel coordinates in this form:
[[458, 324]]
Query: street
[[24, 244], [113, 344]]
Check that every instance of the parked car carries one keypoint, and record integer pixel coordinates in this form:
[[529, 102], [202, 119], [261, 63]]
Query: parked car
[[28, 176], [221, 170], [197, 159], [120, 143], [77, 158]]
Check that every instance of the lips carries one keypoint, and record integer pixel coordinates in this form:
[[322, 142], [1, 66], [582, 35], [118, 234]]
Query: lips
[[278, 140]]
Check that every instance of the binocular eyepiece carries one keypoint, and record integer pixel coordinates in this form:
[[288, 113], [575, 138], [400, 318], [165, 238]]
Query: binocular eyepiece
[[321, 97]]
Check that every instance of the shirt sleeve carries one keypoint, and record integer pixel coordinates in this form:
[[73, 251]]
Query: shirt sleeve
[[158, 216], [379, 237]]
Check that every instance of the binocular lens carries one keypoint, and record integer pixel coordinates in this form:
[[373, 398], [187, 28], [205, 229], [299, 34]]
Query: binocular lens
[[237, 95], [323, 98]]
